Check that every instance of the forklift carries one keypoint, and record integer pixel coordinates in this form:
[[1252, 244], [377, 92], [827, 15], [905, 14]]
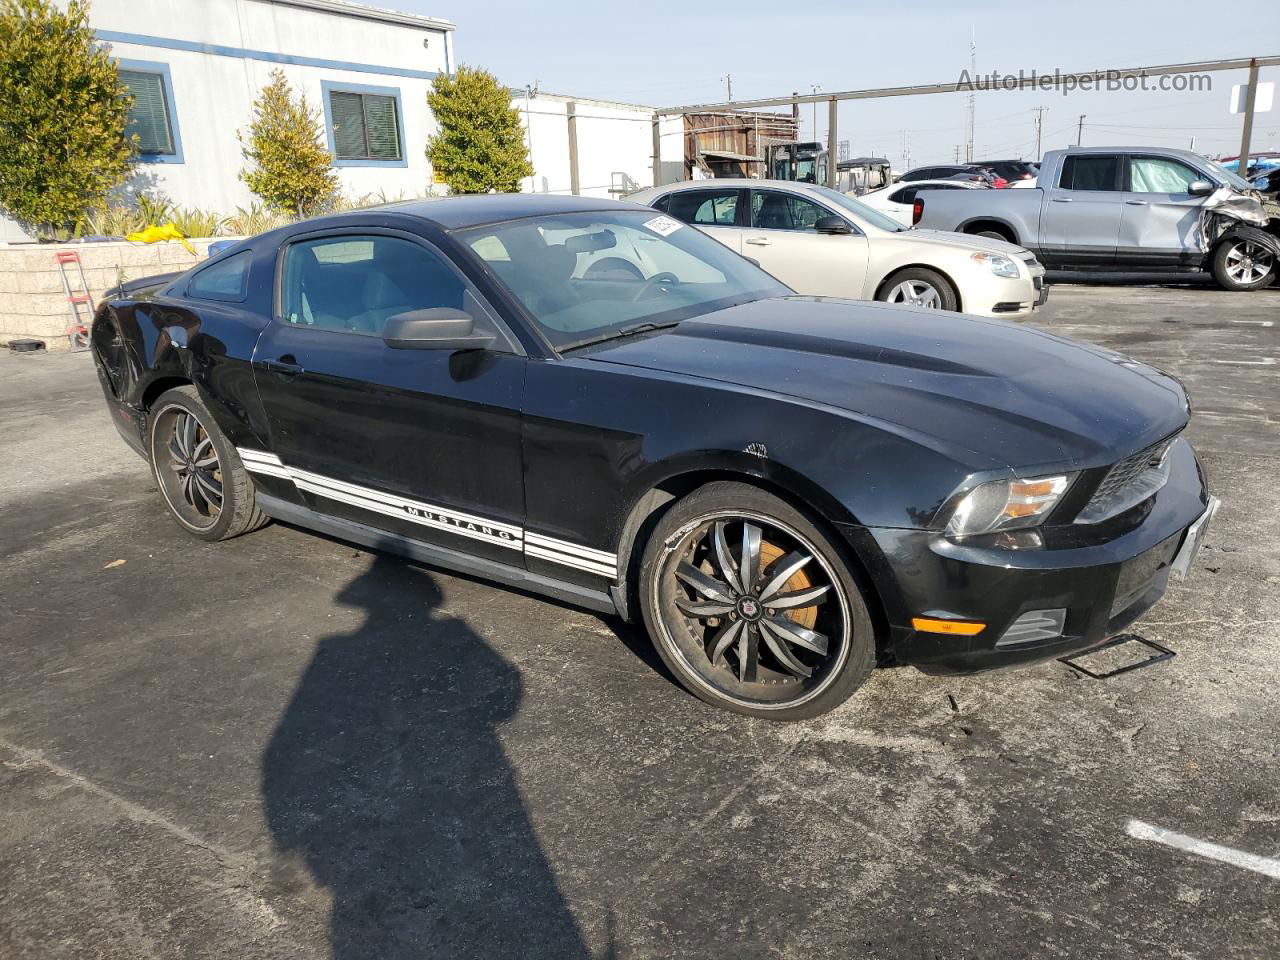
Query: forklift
[[804, 162]]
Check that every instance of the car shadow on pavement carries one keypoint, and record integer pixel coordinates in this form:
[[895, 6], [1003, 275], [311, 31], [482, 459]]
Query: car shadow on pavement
[[387, 779]]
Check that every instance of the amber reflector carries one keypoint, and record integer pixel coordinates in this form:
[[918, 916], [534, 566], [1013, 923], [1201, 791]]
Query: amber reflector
[[961, 627]]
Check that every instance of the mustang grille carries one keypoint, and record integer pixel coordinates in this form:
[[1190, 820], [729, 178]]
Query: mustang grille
[[1129, 482]]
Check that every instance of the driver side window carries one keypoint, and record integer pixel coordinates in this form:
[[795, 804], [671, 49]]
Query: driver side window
[[771, 210], [353, 283], [1160, 175]]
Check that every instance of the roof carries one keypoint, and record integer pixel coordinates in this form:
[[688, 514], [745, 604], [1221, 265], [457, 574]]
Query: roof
[[734, 182], [728, 155], [456, 213], [1172, 151], [367, 12]]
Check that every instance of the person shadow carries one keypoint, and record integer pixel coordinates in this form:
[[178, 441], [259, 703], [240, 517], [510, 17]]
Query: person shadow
[[387, 781]]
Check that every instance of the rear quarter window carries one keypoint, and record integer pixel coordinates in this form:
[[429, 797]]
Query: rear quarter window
[[225, 280]]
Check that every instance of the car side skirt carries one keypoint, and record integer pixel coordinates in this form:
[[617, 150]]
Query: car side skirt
[[436, 556]]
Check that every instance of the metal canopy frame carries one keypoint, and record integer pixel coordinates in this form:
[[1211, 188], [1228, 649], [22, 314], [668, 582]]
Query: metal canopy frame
[[1036, 82]]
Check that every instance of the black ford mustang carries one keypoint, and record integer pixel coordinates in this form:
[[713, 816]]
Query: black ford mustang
[[586, 399]]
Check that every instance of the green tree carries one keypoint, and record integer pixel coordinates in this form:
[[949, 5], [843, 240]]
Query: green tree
[[290, 167], [480, 144], [63, 113]]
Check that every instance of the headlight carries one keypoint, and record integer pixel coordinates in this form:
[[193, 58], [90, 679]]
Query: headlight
[[1000, 265], [1007, 505]]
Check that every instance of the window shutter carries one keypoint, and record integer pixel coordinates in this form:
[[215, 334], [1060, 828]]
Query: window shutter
[[347, 115], [383, 132], [149, 118]]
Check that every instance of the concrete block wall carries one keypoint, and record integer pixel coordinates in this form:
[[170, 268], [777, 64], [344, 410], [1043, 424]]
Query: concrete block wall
[[32, 301]]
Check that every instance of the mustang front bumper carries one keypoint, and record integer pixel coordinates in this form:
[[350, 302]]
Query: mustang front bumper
[[1065, 600]]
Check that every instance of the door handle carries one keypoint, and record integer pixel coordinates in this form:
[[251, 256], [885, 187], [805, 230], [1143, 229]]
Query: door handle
[[759, 241], [286, 366], [1136, 203], [1061, 199]]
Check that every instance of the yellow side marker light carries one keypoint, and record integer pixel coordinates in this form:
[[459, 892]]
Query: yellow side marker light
[[962, 628]]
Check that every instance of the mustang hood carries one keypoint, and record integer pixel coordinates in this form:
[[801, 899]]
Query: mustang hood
[[1014, 395]]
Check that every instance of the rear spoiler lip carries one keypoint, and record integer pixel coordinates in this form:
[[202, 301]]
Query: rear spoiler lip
[[131, 289]]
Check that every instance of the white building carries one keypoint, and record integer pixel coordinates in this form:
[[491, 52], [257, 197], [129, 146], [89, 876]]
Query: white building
[[609, 143], [196, 68]]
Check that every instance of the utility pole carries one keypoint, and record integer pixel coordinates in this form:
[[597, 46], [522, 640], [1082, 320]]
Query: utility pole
[[1250, 99], [1039, 129], [728, 80], [817, 88], [957, 153], [529, 94], [973, 100], [1080, 131]]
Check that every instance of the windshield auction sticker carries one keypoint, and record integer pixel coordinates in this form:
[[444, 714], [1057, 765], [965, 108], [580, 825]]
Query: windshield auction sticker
[[664, 226]]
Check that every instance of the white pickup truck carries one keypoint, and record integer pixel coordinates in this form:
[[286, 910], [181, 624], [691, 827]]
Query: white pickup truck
[[1132, 209]]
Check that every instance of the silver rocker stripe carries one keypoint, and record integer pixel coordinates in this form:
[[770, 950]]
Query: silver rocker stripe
[[562, 552], [475, 531], [267, 469], [258, 456], [601, 569], [403, 503], [573, 549]]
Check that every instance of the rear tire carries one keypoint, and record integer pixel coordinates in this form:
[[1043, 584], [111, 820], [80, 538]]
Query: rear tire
[[710, 616], [921, 287], [201, 479], [993, 235], [1243, 263]]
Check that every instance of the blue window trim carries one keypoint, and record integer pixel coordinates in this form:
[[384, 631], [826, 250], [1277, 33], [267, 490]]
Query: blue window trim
[[328, 86], [153, 66]]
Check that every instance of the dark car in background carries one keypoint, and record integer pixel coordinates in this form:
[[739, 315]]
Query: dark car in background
[[955, 171], [1012, 170], [594, 401]]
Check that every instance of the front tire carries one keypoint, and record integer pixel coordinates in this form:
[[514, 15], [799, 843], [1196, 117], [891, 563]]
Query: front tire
[[752, 607], [199, 475], [920, 287], [1243, 263]]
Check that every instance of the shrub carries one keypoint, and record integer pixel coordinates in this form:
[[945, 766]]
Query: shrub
[[290, 167], [480, 144], [257, 219], [193, 222], [63, 113]]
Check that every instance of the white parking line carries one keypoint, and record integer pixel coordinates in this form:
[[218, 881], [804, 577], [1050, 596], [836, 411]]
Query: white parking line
[[1267, 866], [1264, 362], [1258, 323]]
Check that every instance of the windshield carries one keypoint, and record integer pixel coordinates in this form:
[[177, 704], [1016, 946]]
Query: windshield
[[1231, 178], [590, 276], [861, 210]]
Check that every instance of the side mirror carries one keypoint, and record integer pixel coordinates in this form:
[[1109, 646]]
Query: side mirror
[[833, 225], [1200, 188], [437, 328]]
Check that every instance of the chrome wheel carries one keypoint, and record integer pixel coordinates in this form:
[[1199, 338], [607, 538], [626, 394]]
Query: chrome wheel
[[753, 609], [1248, 262], [186, 467], [918, 293]]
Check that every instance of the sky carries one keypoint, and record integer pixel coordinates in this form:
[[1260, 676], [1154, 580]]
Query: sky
[[666, 54]]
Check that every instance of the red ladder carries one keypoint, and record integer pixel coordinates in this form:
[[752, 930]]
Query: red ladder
[[78, 329]]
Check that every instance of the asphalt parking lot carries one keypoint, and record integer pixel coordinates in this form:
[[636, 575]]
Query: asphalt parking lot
[[283, 746]]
